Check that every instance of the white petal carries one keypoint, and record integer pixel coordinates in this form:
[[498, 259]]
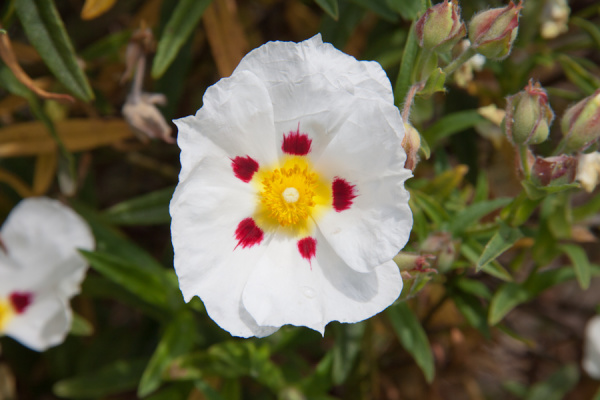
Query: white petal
[[287, 289], [378, 223], [206, 210], [45, 323], [591, 348], [41, 236], [235, 120], [285, 64]]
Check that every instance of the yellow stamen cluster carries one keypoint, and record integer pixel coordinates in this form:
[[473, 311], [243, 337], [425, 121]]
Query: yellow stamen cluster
[[288, 193], [6, 313]]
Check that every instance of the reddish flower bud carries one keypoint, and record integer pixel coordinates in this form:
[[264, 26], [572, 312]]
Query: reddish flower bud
[[557, 170], [528, 115], [581, 123], [441, 27], [493, 32]]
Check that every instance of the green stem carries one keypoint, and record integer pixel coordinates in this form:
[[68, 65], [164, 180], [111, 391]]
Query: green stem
[[458, 61], [523, 150]]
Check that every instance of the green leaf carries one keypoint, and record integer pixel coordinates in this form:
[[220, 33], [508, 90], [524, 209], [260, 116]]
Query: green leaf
[[507, 297], [146, 285], [177, 340], [556, 386], [346, 350], [110, 379], [10, 82], [424, 150], [473, 287], [408, 9], [429, 206], [510, 295], [475, 314], [330, 7], [535, 192], [80, 326], [578, 74], [581, 264], [473, 213], [184, 19], [452, 124], [46, 32], [588, 209], [591, 28], [379, 7], [148, 209], [412, 337], [502, 240], [472, 251], [520, 210], [404, 80], [435, 83]]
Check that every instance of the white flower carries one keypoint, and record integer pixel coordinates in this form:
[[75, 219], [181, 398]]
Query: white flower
[[588, 171], [591, 348], [291, 201], [40, 270]]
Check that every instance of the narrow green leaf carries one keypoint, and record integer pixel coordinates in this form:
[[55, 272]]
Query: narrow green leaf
[[473, 287], [556, 386], [472, 250], [581, 264], [330, 7], [452, 124], [379, 7], [475, 314], [424, 150], [177, 340], [108, 380], [510, 295], [473, 213], [535, 192], [346, 350], [404, 80], [148, 209], [408, 9], [507, 297], [588, 209], [10, 82], [429, 206], [146, 285], [46, 32], [578, 74], [412, 337], [591, 28], [503, 240], [207, 390], [482, 188], [184, 19]]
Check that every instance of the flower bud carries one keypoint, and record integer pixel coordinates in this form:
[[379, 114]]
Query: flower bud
[[493, 32], [528, 115], [588, 171], [557, 170], [440, 245], [441, 27], [411, 144], [581, 123]]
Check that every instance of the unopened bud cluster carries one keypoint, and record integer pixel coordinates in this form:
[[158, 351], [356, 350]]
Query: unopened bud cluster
[[491, 32], [528, 115]]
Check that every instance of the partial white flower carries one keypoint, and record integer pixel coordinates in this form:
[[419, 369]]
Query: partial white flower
[[588, 171], [40, 270], [555, 18], [591, 348], [291, 201]]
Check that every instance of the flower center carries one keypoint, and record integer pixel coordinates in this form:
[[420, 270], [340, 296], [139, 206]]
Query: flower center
[[288, 192], [291, 195]]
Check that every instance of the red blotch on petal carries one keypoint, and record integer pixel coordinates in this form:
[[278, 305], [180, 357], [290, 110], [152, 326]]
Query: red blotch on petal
[[343, 194], [20, 301], [296, 143], [244, 167], [307, 248], [248, 233]]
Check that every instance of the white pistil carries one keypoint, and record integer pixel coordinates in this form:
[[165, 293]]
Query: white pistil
[[291, 195]]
